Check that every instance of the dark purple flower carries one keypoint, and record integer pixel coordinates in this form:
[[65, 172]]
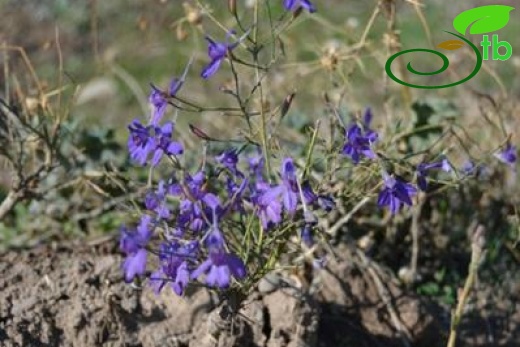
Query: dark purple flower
[[159, 103], [507, 155], [218, 51], [140, 143], [145, 140], [308, 194], [423, 168], [192, 194], [133, 244], [358, 144], [395, 193], [219, 267], [164, 143], [370, 134], [292, 5], [359, 139], [159, 98], [174, 266], [324, 202], [229, 159]]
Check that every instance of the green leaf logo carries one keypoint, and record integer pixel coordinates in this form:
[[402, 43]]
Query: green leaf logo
[[483, 19]]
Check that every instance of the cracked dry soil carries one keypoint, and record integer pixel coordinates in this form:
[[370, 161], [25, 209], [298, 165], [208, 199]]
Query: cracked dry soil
[[75, 296]]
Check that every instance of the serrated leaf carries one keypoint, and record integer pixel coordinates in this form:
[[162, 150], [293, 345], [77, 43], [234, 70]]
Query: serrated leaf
[[483, 19], [451, 45]]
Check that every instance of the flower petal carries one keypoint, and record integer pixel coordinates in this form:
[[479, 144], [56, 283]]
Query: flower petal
[[211, 68]]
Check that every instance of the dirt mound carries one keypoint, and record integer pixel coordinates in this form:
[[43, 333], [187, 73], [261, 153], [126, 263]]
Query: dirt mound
[[75, 296]]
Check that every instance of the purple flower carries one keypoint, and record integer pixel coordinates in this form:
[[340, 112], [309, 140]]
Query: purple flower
[[217, 52], [192, 196], [164, 143], [140, 143], [360, 139], [174, 266], [219, 267], [367, 119], [289, 186], [324, 202], [229, 159], [235, 194], [291, 5], [159, 98], [395, 193], [145, 140], [269, 208], [156, 201], [133, 244], [507, 155], [423, 168], [159, 103]]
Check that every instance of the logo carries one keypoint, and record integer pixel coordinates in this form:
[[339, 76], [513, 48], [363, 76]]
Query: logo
[[480, 20]]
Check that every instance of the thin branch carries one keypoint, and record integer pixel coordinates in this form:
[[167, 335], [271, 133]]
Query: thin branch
[[477, 252]]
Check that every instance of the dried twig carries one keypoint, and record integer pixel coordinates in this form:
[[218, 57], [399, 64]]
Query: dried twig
[[477, 252], [346, 218], [384, 294]]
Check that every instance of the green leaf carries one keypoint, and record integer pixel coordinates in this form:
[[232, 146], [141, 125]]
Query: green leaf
[[483, 19]]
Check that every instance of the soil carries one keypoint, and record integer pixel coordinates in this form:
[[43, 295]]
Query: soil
[[75, 296]]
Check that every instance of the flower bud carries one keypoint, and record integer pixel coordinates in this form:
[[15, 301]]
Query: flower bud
[[199, 133], [232, 6], [286, 104], [297, 12]]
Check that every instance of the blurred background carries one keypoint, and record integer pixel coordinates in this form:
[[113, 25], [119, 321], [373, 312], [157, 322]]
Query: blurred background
[[112, 50]]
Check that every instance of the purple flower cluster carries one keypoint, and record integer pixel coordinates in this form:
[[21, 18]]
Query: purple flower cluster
[[194, 213], [271, 200], [152, 139]]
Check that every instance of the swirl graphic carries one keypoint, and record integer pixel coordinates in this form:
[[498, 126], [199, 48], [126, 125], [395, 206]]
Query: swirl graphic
[[445, 65]]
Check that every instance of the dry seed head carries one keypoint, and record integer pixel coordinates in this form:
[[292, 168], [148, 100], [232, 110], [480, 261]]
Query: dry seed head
[[329, 59], [193, 14], [392, 40]]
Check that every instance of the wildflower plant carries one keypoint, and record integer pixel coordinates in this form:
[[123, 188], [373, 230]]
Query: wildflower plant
[[252, 197]]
